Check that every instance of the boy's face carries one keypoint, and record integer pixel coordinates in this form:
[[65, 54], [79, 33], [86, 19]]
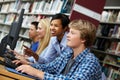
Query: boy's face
[[32, 32], [56, 28], [73, 38]]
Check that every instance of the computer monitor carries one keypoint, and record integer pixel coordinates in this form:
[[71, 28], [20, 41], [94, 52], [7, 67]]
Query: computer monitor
[[13, 35]]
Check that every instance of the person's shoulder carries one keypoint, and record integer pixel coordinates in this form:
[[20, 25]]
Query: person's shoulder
[[91, 58], [53, 38]]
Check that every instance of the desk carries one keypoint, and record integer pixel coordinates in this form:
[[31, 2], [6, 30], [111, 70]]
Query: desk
[[6, 75]]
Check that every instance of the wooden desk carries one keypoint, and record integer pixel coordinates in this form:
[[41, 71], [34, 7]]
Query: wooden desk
[[6, 75]]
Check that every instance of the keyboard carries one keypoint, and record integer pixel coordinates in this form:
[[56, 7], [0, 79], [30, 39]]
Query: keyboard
[[8, 63], [10, 56]]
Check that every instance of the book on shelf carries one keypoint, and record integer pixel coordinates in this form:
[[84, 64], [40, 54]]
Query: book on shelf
[[33, 7], [109, 16], [26, 33], [54, 6], [1, 0], [26, 6], [67, 6], [2, 18], [110, 13], [5, 29], [98, 33], [104, 16], [112, 16], [40, 6], [19, 46], [10, 18], [110, 73], [116, 31], [27, 20], [112, 48], [11, 9], [118, 49], [17, 5], [118, 17], [5, 7], [59, 7], [48, 6], [110, 32], [105, 30]]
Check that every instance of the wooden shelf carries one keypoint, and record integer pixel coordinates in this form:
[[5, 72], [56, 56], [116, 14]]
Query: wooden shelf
[[112, 7], [104, 52], [111, 64], [111, 23], [109, 38]]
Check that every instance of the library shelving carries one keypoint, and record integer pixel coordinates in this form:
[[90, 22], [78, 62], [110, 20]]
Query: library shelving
[[107, 44], [34, 11]]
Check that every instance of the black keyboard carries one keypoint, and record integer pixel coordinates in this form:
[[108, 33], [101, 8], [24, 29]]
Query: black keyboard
[[10, 56], [8, 63]]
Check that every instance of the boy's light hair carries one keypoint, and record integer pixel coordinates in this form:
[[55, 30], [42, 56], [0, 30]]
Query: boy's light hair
[[87, 30], [44, 41]]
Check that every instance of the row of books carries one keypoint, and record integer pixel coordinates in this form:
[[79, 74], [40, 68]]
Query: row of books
[[6, 0], [110, 16], [111, 73], [11, 7], [48, 6], [19, 46], [108, 30], [5, 29], [107, 46], [27, 19], [7, 19], [114, 48]]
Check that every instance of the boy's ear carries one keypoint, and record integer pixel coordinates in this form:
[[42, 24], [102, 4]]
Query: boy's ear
[[83, 41]]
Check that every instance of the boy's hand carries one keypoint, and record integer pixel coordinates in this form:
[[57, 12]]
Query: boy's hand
[[29, 52]]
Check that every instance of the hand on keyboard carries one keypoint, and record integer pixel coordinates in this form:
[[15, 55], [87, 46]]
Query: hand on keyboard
[[10, 55], [8, 62]]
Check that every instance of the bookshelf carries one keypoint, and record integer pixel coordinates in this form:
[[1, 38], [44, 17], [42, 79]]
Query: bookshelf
[[107, 44], [34, 11]]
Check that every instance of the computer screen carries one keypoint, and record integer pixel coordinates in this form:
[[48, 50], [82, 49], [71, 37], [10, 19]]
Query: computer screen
[[13, 35]]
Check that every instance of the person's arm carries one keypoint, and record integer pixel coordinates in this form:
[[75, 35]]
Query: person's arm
[[86, 71], [31, 71], [30, 53], [89, 69], [54, 66]]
